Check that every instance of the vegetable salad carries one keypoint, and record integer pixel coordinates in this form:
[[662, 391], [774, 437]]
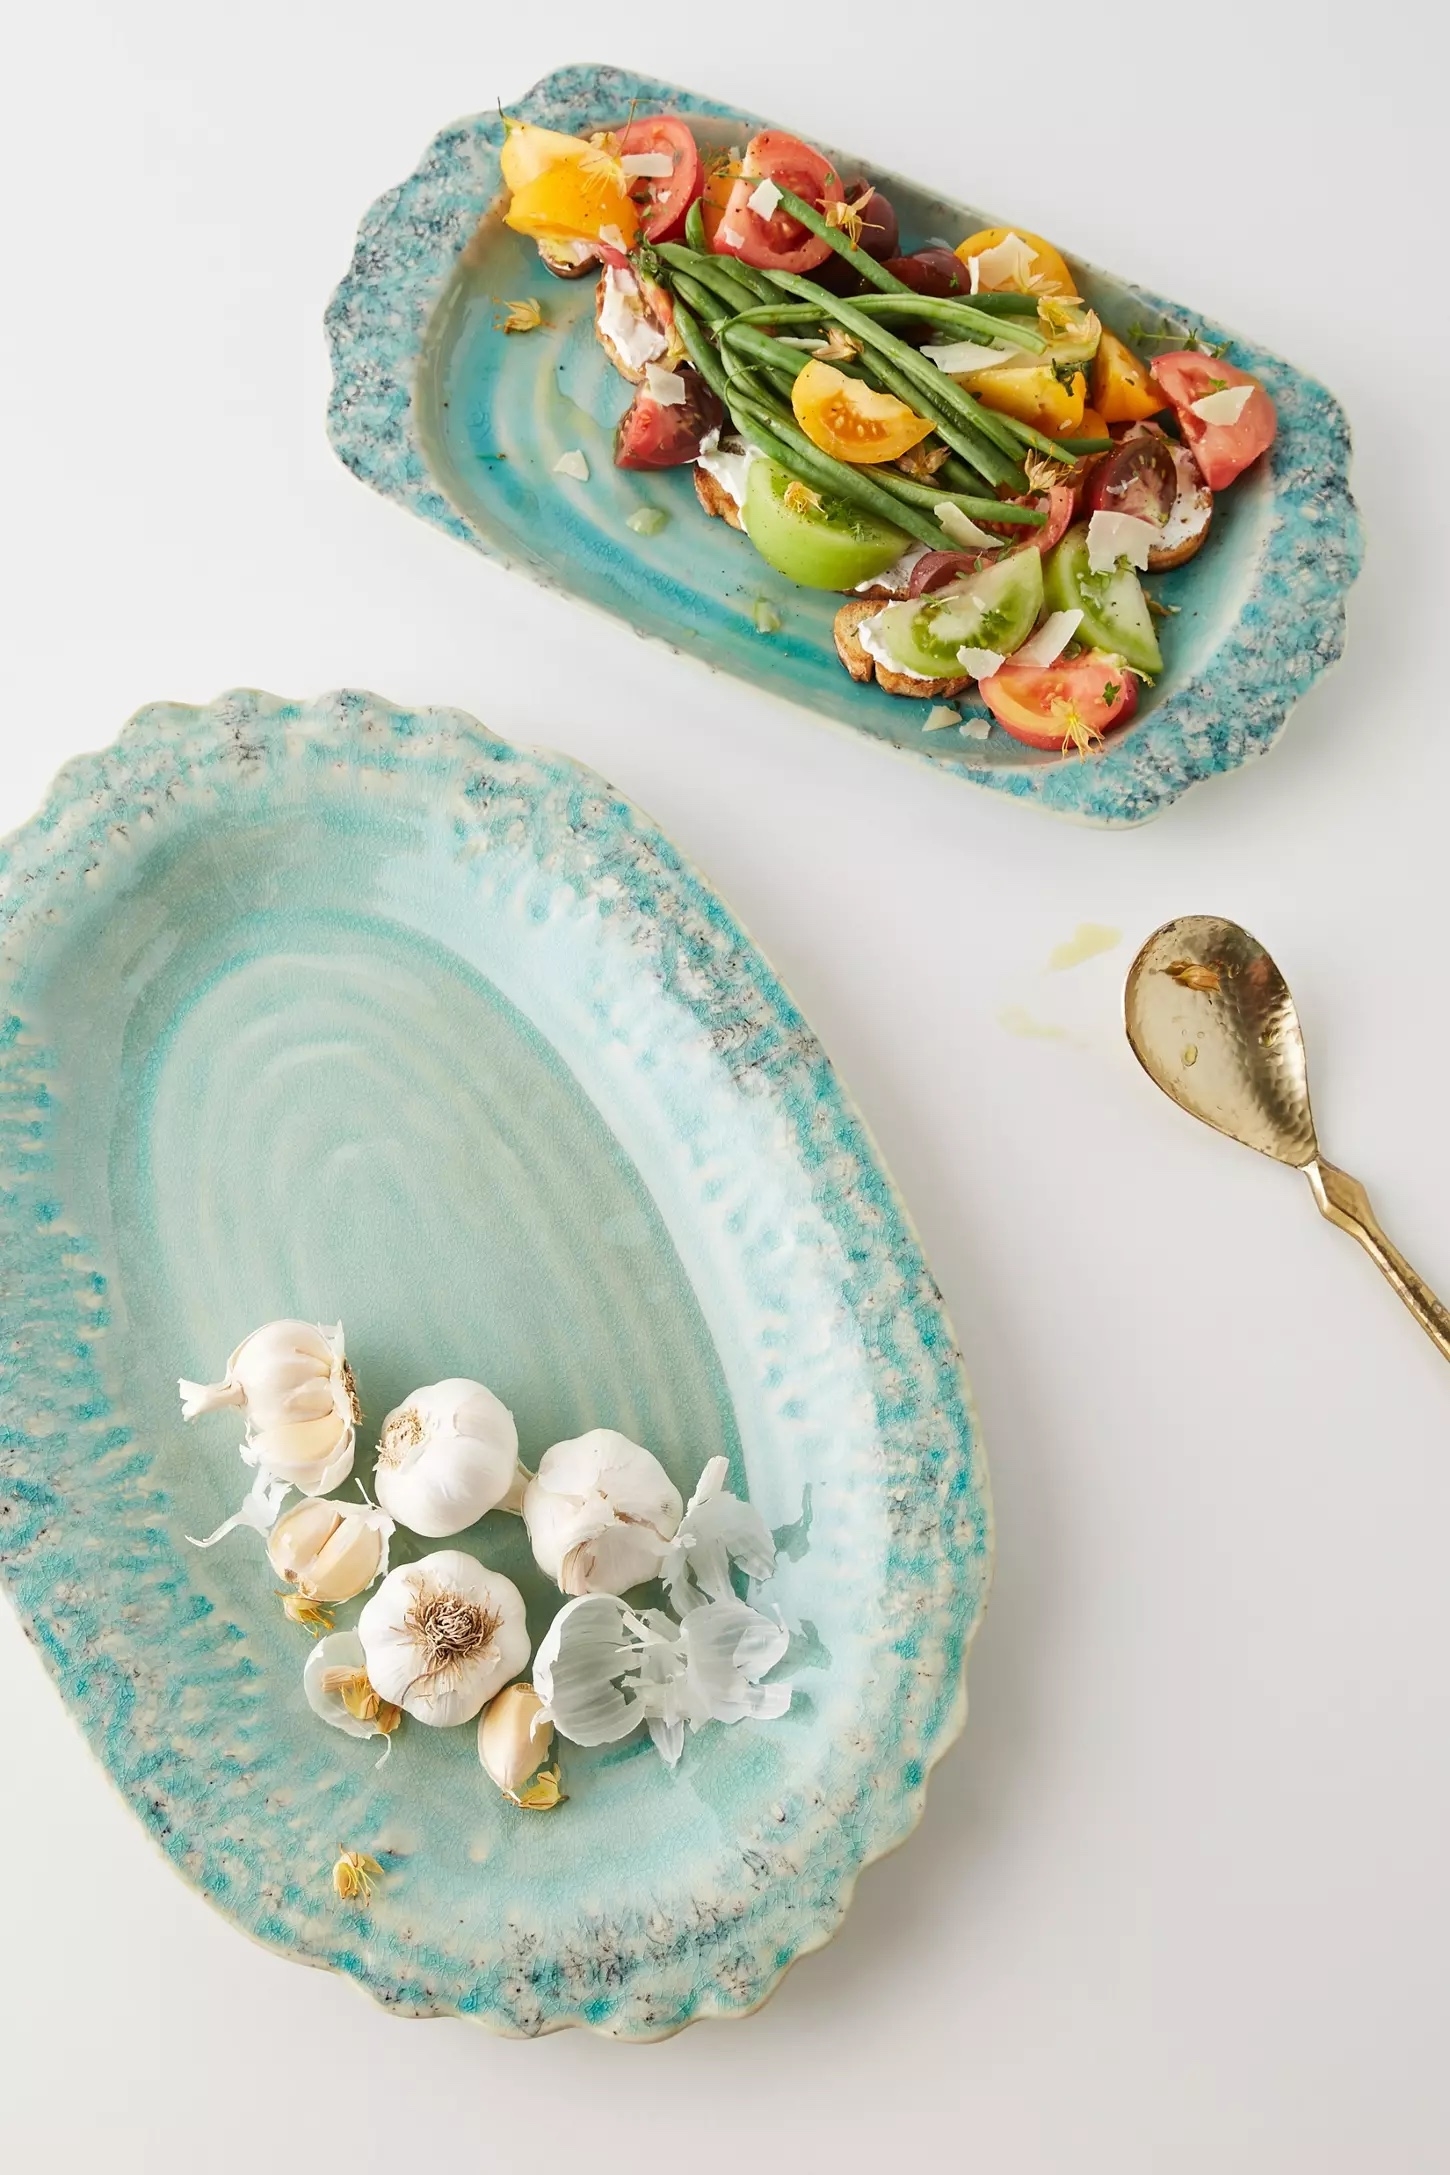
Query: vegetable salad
[[949, 436]]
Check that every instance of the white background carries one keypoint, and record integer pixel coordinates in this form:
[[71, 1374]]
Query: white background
[[1179, 1901]]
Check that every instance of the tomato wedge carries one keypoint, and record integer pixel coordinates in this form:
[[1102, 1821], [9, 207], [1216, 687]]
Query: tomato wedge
[[851, 421], [1223, 450], [779, 243], [1061, 706], [663, 199], [651, 435]]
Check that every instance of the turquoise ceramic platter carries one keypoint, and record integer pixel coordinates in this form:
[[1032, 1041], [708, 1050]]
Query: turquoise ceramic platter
[[336, 1011], [436, 407]]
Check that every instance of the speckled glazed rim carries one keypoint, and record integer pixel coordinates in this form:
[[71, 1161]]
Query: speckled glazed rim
[[71, 1467], [1288, 630]]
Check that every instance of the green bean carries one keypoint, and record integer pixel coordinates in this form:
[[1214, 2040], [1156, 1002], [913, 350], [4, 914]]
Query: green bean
[[716, 273], [695, 226], [699, 263], [945, 396], [1079, 446], [969, 445], [801, 459], [699, 299], [930, 309], [1006, 303], [934, 494], [749, 340], [1056, 449], [875, 275], [700, 352]]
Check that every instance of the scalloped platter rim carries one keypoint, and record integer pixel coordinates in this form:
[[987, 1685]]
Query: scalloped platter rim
[[314, 1003], [433, 407]]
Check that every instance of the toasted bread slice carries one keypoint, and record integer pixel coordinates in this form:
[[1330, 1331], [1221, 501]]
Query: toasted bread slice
[[862, 665], [1189, 519], [715, 499]]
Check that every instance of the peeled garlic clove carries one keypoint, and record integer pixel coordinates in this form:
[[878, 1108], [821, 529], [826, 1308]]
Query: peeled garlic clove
[[514, 1736], [601, 1512], [335, 1683], [446, 1456], [284, 1372], [312, 1454], [330, 1551], [442, 1635]]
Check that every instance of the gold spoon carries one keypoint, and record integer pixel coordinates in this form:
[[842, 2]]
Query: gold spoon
[[1211, 1020]]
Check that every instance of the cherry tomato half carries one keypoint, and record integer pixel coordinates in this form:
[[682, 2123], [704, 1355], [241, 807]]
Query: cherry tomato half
[[663, 199], [852, 421], [778, 243], [1047, 274], [1061, 706], [1223, 450]]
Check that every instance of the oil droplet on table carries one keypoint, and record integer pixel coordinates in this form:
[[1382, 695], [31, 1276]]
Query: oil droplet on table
[[1089, 939]]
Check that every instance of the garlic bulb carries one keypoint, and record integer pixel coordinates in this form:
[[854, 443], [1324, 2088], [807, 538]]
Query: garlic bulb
[[446, 1455], [330, 1551], [514, 1736], [600, 1512], [337, 1688], [293, 1383], [442, 1635]]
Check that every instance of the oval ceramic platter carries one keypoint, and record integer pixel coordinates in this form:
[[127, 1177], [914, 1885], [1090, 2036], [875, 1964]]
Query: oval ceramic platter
[[336, 1011], [433, 405]]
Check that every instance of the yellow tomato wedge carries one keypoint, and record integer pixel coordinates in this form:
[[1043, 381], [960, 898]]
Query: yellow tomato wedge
[[1123, 391], [1089, 425], [849, 420], [575, 198], [1047, 274], [528, 152], [1036, 396]]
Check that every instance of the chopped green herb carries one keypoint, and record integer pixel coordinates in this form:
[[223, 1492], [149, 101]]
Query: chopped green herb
[[767, 618], [648, 520]]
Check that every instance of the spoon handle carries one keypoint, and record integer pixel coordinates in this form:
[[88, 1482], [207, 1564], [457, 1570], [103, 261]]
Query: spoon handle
[[1344, 1201]]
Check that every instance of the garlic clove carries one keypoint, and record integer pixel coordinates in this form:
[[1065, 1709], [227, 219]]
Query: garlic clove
[[600, 1511], [330, 1551], [442, 1635], [347, 1563], [446, 1457], [298, 1535], [514, 1736], [330, 1686], [312, 1454]]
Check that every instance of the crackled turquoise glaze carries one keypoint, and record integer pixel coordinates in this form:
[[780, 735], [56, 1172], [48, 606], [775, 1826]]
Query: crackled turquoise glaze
[[434, 406], [335, 1010]]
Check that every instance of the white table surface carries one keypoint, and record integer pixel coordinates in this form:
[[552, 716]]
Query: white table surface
[[1179, 1901]]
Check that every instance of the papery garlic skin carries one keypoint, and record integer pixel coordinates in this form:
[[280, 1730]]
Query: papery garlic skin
[[442, 1635], [601, 1512], [446, 1456], [330, 1551], [340, 1650], [716, 1530], [514, 1736]]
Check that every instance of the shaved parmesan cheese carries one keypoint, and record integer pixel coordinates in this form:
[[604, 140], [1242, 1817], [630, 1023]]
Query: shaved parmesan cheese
[[963, 531], [665, 386], [615, 239], [625, 322], [1050, 640], [1225, 406], [572, 464], [764, 198], [653, 165], [1008, 265], [961, 357], [976, 728], [939, 717], [1119, 536], [981, 663], [974, 275]]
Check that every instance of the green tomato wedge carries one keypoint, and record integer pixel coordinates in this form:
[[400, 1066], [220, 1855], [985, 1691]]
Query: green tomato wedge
[[1115, 614], [827, 544], [995, 608]]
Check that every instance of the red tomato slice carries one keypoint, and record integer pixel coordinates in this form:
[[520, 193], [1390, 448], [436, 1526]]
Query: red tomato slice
[[663, 200], [779, 243], [652, 436], [1223, 450], [1061, 706]]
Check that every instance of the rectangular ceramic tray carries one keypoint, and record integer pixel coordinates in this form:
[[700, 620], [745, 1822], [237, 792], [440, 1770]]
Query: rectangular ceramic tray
[[434, 406]]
